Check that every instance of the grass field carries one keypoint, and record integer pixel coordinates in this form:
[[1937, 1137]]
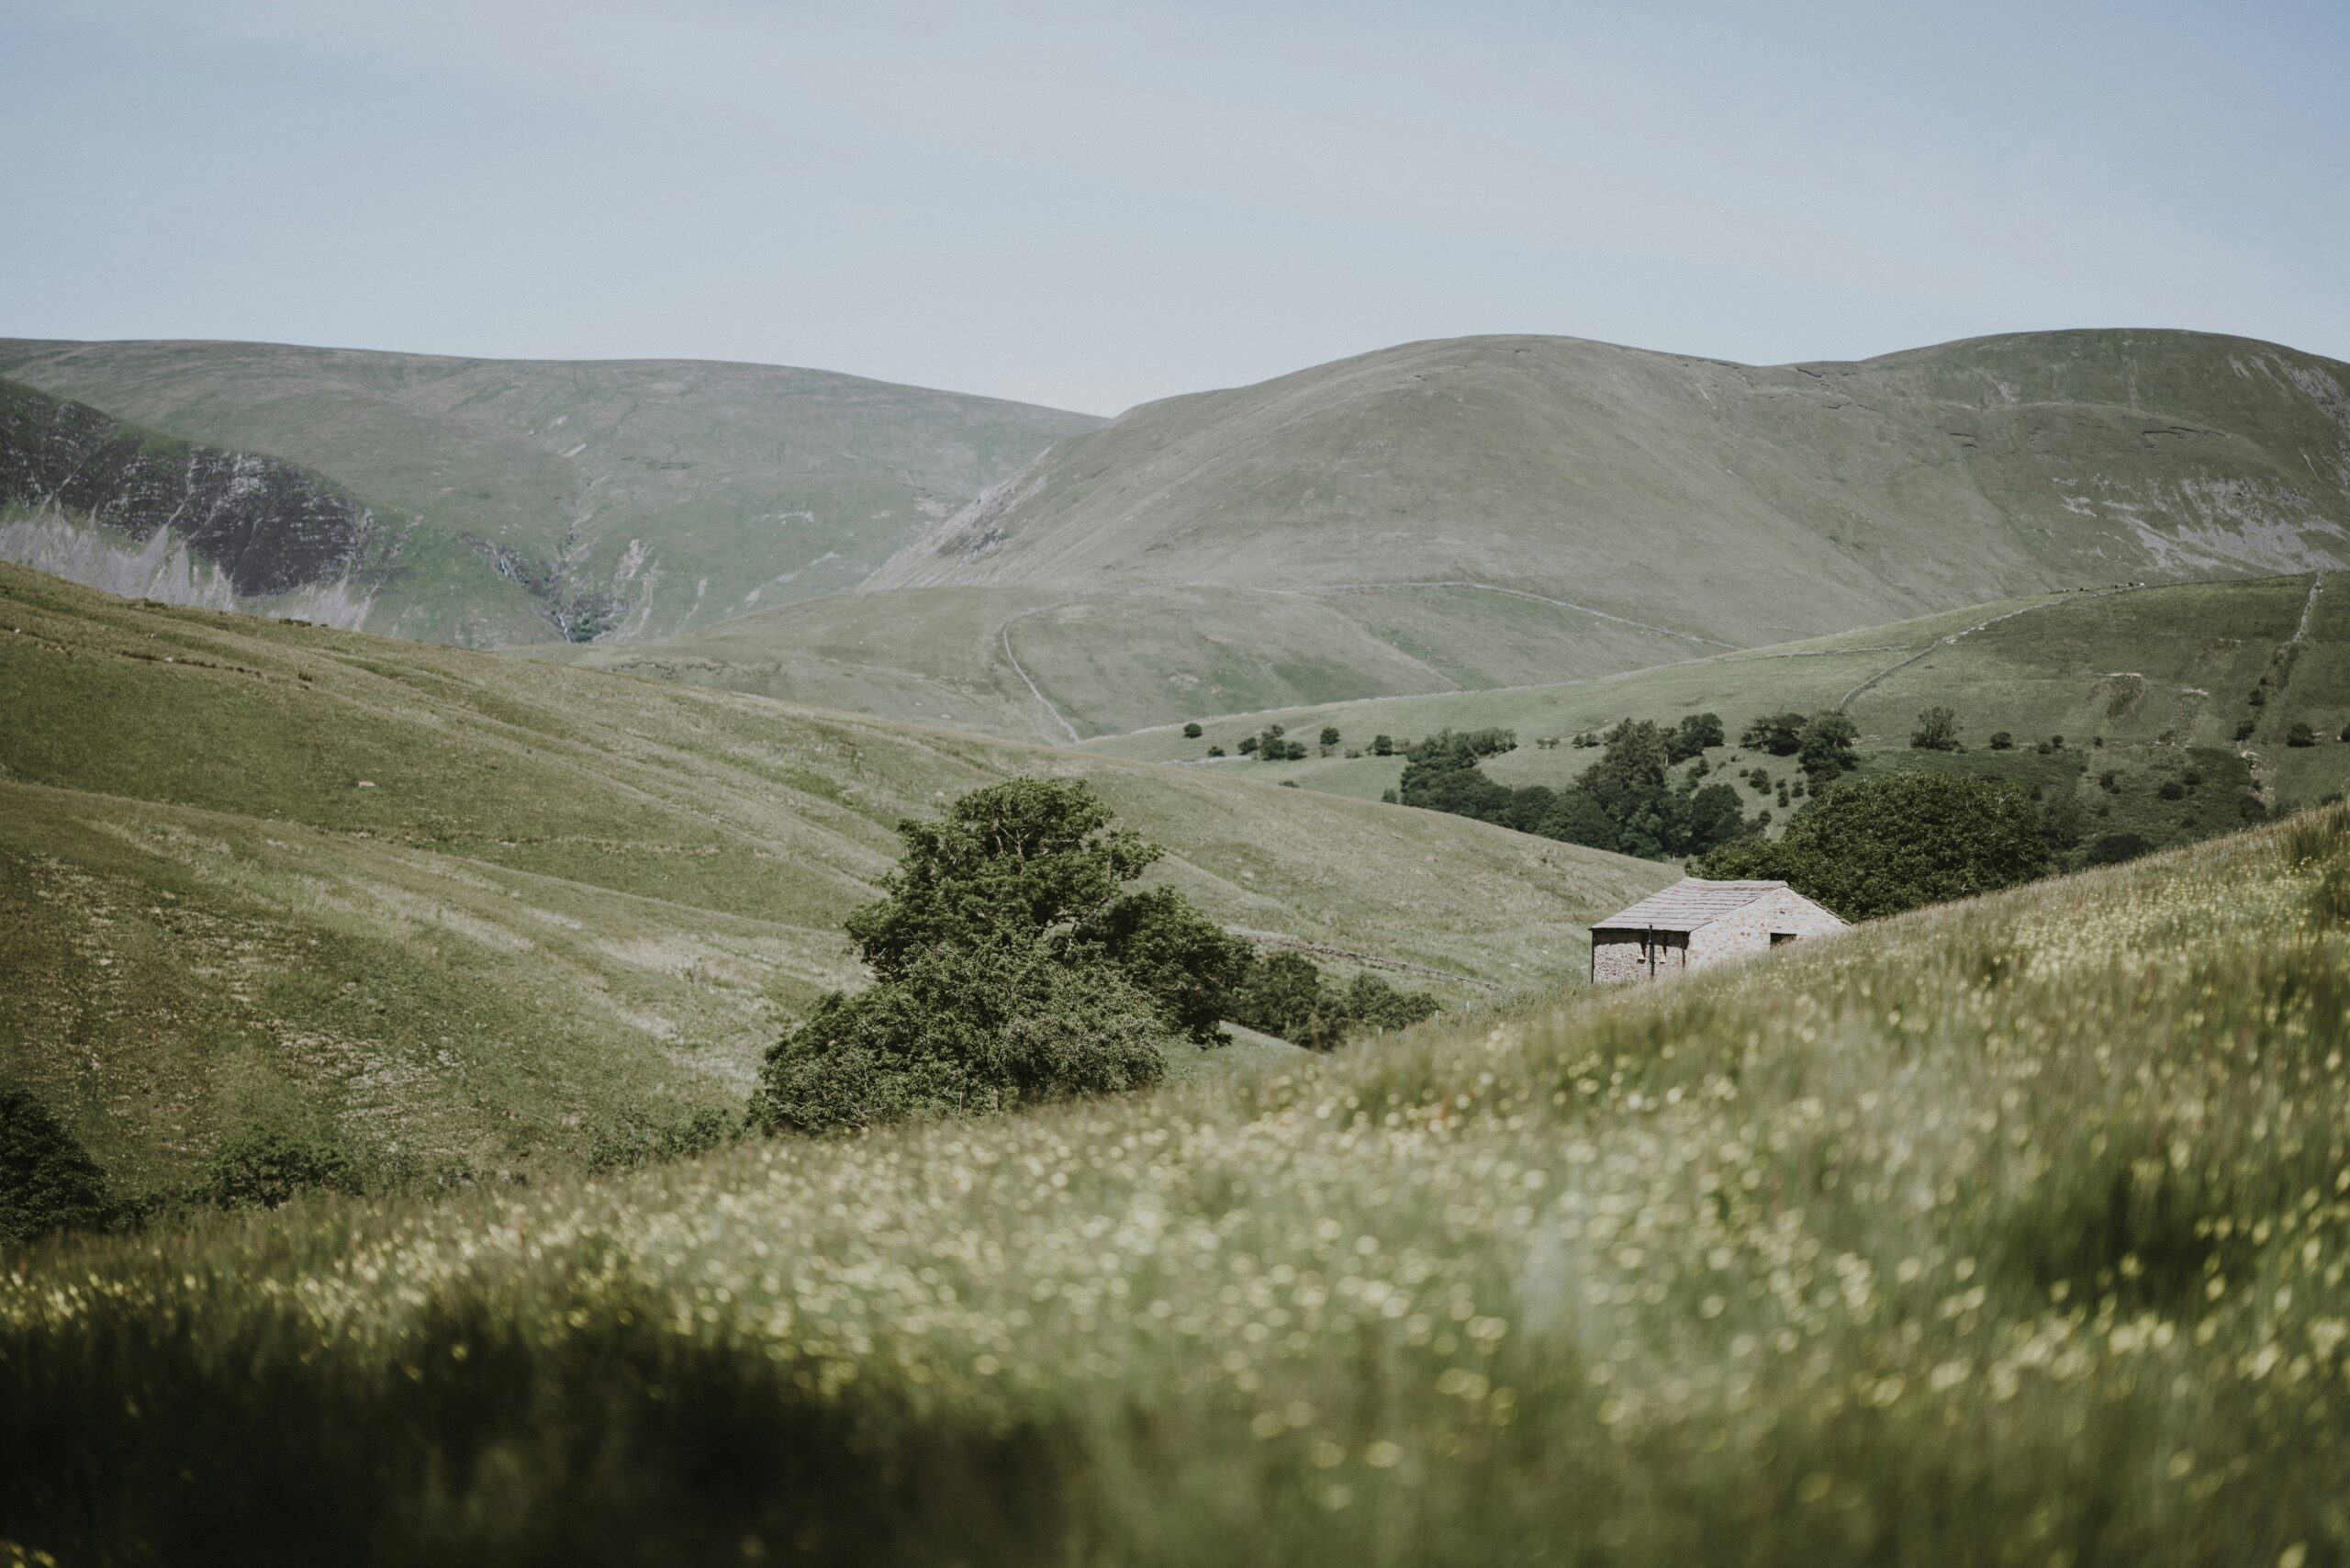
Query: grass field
[[467, 916], [2163, 675], [2012, 1232]]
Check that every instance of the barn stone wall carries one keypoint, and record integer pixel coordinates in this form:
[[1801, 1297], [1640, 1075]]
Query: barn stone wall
[[1749, 930], [1617, 955]]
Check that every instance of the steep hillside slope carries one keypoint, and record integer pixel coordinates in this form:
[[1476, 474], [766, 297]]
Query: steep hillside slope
[[2152, 683], [1501, 511], [463, 913], [578, 500], [89, 497]]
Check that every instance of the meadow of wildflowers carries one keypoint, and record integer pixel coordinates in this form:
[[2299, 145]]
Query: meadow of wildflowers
[[2011, 1233]]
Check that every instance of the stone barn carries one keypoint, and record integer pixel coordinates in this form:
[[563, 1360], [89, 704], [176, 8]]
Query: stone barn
[[1695, 923]]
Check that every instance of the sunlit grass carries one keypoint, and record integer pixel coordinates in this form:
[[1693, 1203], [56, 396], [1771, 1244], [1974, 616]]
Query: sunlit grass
[[2013, 1233]]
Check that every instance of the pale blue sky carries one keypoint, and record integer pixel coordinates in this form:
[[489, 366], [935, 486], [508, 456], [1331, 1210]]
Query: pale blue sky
[[1092, 204]]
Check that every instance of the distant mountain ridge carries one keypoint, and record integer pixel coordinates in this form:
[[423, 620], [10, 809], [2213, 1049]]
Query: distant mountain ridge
[[1771, 501], [581, 499], [1501, 511]]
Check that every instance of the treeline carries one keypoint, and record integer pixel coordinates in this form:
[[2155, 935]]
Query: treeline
[[1629, 800]]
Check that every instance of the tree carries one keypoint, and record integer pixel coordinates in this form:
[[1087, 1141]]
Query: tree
[[1780, 735], [1874, 846], [1694, 735], [1575, 818], [1383, 746], [1937, 731], [47, 1182], [266, 1169], [1009, 965], [1826, 751], [2300, 735], [1248, 745], [1192, 731], [2002, 740], [1183, 962], [1329, 738]]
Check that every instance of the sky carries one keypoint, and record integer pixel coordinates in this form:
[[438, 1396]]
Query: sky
[[1090, 205]]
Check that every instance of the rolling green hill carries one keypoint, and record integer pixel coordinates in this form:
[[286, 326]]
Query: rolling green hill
[[1501, 511], [465, 914], [2012, 1231], [2160, 675], [530, 499]]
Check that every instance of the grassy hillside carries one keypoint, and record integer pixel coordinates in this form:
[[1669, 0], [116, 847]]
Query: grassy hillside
[[559, 499], [1501, 511], [2010, 1232], [466, 914], [2163, 675]]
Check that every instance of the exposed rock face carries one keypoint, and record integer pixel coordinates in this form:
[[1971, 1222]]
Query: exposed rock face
[[89, 497]]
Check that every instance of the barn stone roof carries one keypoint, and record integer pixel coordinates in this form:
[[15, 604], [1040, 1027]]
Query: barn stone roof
[[1686, 905]]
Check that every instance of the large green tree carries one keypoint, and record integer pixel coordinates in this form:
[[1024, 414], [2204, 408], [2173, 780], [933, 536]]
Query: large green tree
[[1010, 964], [1873, 847]]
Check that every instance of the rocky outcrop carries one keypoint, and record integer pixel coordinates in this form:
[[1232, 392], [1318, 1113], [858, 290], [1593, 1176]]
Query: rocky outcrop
[[90, 496]]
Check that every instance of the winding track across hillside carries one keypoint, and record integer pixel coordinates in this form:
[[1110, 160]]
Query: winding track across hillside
[[1845, 701]]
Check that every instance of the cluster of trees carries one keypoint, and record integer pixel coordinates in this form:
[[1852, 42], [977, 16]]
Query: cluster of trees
[[1626, 800], [1872, 847], [1273, 743], [1011, 964], [1821, 744]]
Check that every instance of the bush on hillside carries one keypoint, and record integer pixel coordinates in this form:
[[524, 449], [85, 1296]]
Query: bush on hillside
[[1285, 995], [1192, 731], [1694, 735], [2300, 735], [1937, 731], [266, 1169], [2003, 740], [47, 1182], [1780, 735], [1874, 846], [1010, 965], [1825, 752]]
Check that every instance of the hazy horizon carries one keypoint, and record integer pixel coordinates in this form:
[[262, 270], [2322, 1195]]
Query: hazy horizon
[[1092, 207]]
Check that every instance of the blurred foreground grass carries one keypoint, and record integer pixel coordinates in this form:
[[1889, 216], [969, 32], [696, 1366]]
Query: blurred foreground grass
[[2013, 1232]]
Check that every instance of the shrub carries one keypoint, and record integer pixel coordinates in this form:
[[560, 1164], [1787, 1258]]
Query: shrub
[[2300, 735], [47, 1182], [2243, 730], [2172, 790], [1285, 995], [1009, 967], [1937, 731], [961, 1031], [1192, 731], [1696, 732], [2002, 740], [1826, 751], [1216, 751], [1876, 847], [264, 1168], [2112, 849], [1780, 735]]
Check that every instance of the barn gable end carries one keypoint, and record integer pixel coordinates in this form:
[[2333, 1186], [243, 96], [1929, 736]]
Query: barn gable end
[[1695, 923]]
